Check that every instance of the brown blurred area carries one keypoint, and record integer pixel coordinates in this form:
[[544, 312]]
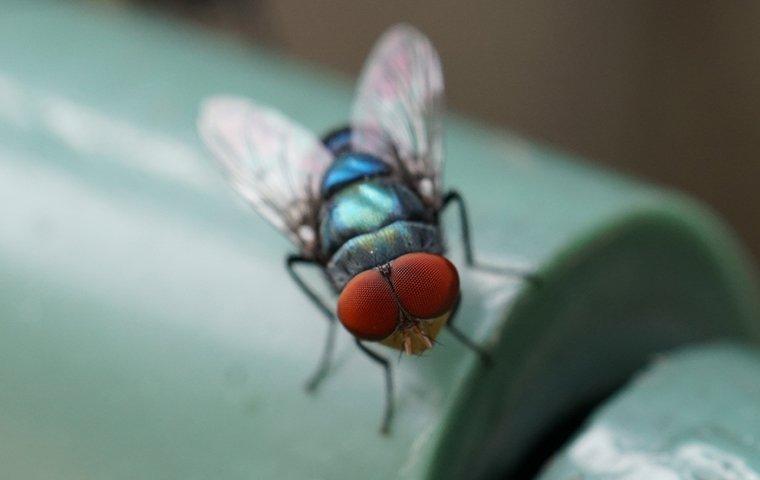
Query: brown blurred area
[[668, 91]]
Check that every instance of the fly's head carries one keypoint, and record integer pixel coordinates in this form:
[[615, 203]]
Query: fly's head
[[403, 303]]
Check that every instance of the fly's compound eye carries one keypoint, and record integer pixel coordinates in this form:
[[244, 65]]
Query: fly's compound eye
[[427, 285], [367, 307]]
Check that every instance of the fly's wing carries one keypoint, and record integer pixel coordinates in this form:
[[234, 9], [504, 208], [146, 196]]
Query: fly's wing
[[274, 163], [400, 101]]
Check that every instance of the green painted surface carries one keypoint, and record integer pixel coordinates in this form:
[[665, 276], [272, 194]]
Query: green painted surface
[[694, 414], [148, 329]]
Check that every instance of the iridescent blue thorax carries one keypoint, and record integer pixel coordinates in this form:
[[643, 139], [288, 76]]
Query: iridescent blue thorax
[[369, 216]]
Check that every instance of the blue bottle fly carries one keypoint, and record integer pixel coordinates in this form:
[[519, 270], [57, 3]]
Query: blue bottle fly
[[363, 204]]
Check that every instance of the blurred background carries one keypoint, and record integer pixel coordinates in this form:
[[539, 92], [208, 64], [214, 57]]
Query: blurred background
[[668, 91]]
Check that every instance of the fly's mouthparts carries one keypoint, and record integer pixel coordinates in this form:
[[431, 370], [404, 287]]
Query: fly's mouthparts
[[407, 344], [415, 331]]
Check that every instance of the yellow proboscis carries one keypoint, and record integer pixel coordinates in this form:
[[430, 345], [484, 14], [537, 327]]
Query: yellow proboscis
[[430, 327]]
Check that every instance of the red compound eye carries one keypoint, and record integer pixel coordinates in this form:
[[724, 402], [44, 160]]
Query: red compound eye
[[427, 285], [367, 307]]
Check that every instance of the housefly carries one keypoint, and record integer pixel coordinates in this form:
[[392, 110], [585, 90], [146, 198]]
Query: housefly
[[363, 204]]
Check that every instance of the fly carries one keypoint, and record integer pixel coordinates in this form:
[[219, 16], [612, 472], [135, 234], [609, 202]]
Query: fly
[[363, 204]]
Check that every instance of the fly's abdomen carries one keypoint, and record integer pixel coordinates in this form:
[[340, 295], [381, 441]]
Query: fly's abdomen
[[366, 207], [351, 167]]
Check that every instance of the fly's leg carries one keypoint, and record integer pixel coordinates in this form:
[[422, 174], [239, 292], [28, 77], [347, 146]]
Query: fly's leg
[[454, 197], [323, 367], [485, 357], [385, 426]]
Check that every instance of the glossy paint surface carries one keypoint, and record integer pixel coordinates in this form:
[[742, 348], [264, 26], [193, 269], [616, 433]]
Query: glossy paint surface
[[691, 414], [149, 330]]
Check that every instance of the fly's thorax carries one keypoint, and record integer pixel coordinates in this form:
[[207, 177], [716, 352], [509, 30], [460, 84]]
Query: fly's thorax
[[367, 206], [377, 247]]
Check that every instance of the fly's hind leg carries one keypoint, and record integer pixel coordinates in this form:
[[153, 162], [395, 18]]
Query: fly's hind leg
[[454, 197], [385, 426], [323, 367]]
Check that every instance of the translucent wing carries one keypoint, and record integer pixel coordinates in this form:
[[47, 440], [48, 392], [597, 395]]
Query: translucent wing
[[400, 99], [275, 164]]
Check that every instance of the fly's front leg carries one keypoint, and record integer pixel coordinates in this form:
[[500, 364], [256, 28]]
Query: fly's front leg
[[454, 197], [485, 357], [323, 367], [385, 426]]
